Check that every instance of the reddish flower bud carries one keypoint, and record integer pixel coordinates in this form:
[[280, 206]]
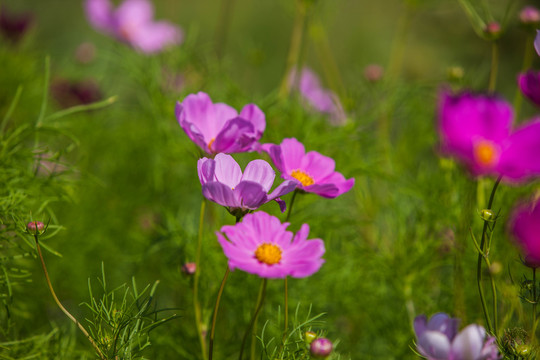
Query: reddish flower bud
[[189, 268], [321, 347], [529, 15], [35, 227], [493, 29]]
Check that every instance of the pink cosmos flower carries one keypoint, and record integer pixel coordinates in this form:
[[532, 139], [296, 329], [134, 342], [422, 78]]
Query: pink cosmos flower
[[476, 129], [312, 171], [132, 22], [439, 339], [524, 225], [223, 182], [529, 84], [261, 245], [218, 128], [317, 97]]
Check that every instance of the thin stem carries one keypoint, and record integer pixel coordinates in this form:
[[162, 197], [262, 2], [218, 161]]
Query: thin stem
[[291, 205], [216, 309], [222, 28], [196, 303], [481, 256], [399, 43], [258, 307], [296, 45], [534, 306], [64, 310], [494, 66]]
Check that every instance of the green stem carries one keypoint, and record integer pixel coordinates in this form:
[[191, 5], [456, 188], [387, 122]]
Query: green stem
[[222, 28], [399, 44], [196, 277], [533, 336], [64, 310], [216, 309], [296, 45], [494, 67], [258, 307], [481, 256]]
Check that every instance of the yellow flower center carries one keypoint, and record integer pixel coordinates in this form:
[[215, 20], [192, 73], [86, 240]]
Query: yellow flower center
[[269, 254], [301, 176], [485, 152], [210, 144]]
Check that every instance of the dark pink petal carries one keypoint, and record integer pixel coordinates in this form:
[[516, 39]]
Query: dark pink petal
[[524, 225], [521, 159], [195, 116], [254, 115], [261, 172], [317, 165], [154, 37], [529, 83], [99, 14], [292, 151], [205, 169], [236, 136], [282, 204], [220, 193], [251, 195], [343, 185], [274, 151], [329, 191], [227, 171]]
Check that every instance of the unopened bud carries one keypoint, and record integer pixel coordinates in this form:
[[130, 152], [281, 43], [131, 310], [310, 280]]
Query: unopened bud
[[373, 72], [523, 350], [487, 215], [529, 15], [35, 227], [310, 336], [495, 268], [321, 348], [493, 29], [455, 73], [189, 268]]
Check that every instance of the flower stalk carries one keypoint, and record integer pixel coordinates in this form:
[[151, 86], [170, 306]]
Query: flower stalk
[[258, 307], [196, 277]]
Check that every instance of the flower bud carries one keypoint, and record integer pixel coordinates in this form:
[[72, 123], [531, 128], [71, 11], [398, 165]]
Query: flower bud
[[529, 15], [321, 348], [493, 29], [189, 268], [310, 336], [373, 72], [35, 227], [455, 73], [495, 268], [487, 215]]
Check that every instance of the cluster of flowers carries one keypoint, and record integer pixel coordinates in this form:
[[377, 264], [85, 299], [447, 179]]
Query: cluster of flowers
[[260, 244]]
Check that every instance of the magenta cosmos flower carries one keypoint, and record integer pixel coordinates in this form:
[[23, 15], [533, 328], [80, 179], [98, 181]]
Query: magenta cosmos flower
[[476, 129], [312, 171], [524, 225], [438, 339], [317, 97], [132, 22], [218, 128], [261, 245], [529, 84], [223, 182]]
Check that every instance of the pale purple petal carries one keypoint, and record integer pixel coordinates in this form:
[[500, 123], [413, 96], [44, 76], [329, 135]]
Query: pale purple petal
[[537, 42], [282, 204], [445, 324], [420, 325], [196, 116], [521, 159], [153, 37], [221, 194], [99, 14], [328, 191], [227, 170], [236, 136], [284, 188], [274, 151], [260, 172], [251, 195], [529, 84], [254, 115], [205, 170], [468, 344], [434, 345], [134, 13]]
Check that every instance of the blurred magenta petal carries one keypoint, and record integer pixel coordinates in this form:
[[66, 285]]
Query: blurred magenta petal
[[524, 225], [476, 129], [529, 84], [223, 182], [261, 245], [313, 171], [218, 128], [318, 98], [537, 42], [132, 22]]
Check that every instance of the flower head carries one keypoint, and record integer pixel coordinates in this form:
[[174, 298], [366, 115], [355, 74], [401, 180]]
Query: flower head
[[438, 339], [261, 245], [218, 128], [321, 348], [223, 182], [14, 26], [529, 15], [312, 171], [317, 97], [476, 129], [35, 227], [132, 22], [529, 84], [524, 225]]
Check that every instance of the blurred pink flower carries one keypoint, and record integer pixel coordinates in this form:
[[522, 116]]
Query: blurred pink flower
[[524, 225], [261, 245], [14, 26], [477, 130], [317, 97], [68, 93], [132, 22], [529, 84], [218, 128], [312, 171], [529, 15]]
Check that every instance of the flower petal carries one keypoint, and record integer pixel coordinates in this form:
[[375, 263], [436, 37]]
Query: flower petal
[[537, 42], [251, 195], [292, 151], [227, 170], [99, 14], [220, 193], [529, 84], [255, 116], [237, 135], [520, 159], [261, 172], [134, 13], [434, 345], [284, 188], [206, 168], [468, 343], [317, 165], [153, 37]]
